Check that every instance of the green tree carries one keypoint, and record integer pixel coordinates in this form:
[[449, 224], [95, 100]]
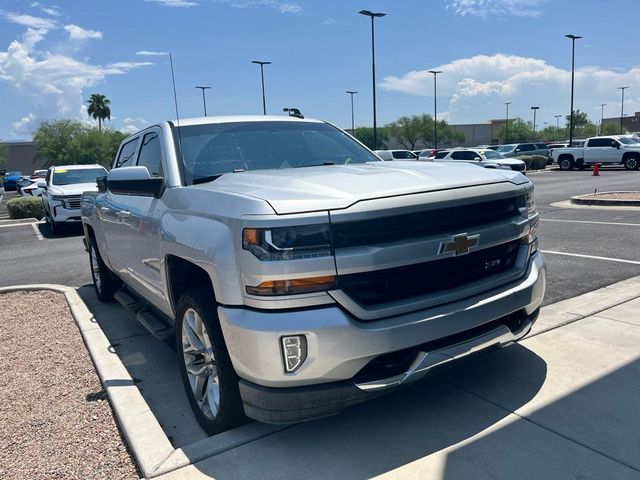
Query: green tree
[[3, 154], [365, 135], [99, 108], [408, 131], [612, 129], [67, 142], [580, 119], [519, 131]]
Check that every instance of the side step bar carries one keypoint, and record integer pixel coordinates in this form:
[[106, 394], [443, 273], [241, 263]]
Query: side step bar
[[150, 320]]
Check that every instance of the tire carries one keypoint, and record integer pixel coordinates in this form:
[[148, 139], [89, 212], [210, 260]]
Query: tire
[[213, 393], [53, 226], [565, 163], [105, 282], [581, 166], [631, 163]]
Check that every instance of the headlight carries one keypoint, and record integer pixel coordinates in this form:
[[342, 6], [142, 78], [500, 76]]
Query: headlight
[[287, 243], [59, 198], [534, 221], [530, 201]]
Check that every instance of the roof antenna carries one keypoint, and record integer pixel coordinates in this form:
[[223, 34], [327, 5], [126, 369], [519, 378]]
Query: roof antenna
[[175, 101]]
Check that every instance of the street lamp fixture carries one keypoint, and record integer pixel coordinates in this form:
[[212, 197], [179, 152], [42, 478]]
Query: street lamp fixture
[[573, 39], [535, 109], [293, 112], [622, 107], [435, 107], [373, 15], [506, 124], [558, 117], [602, 105], [204, 100], [353, 128], [264, 101]]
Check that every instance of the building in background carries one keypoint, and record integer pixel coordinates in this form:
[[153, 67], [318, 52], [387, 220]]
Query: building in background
[[21, 156], [630, 123]]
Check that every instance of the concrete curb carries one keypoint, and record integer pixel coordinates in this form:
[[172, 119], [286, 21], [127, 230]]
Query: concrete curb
[[583, 200], [150, 446]]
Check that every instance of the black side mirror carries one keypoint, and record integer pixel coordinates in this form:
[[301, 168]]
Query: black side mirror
[[134, 181]]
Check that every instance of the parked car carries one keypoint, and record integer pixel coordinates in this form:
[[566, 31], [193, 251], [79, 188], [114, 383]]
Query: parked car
[[482, 158], [553, 146], [396, 155], [263, 271], [63, 188], [22, 181], [424, 154], [39, 173], [606, 150], [11, 179], [488, 147], [518, 149], [31, 189]]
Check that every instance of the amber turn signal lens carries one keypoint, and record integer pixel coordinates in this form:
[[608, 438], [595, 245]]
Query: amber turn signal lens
[[295, 286], [249, 236]]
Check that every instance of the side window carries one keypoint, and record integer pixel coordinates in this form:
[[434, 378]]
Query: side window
[[599, 142], [125, 158], [150, 155], [48, 177], [614, 143], [527, 147], [440, 155], [458, 156]]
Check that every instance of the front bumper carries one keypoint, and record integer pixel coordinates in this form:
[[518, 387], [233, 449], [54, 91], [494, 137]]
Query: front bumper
[[340, 347], [59, 214]]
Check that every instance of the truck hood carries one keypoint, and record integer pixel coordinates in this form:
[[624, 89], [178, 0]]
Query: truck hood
[[331, 187], [73, 189]]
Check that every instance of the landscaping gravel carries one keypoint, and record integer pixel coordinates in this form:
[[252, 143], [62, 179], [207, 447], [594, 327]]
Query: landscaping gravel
[[614, 196], [55, 419]]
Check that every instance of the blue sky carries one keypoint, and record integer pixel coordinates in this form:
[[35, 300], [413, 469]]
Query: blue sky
[[54, 54]]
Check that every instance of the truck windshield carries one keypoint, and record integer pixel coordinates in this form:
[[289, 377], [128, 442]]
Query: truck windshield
[[214, 149], [62, 176], [627, 140]]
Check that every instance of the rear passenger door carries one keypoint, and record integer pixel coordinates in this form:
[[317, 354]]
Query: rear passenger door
[[597, 150]]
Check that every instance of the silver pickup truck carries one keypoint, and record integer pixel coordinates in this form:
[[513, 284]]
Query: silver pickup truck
[[298, 272]]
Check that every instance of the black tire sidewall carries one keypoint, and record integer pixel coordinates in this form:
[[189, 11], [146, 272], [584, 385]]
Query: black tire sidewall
[[561, 163], [108, 282], [230, 411], [633, 159]]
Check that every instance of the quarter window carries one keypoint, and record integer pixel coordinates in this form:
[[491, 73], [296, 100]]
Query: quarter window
[[150, 155]]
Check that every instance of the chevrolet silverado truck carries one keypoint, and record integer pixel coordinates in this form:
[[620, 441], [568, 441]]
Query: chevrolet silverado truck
[[297, 272], [609, 150]]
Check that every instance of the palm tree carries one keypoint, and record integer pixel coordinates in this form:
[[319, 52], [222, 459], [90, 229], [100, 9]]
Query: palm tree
[[99, 108]]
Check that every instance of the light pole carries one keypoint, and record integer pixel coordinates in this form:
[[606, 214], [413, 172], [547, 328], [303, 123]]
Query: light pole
[[353, 128], [573, 69], [204, 100], [622, 107], [373, 15], [506, 124], [435, 107], [602, 118], [535, 109], [264, 101], [558, 117]]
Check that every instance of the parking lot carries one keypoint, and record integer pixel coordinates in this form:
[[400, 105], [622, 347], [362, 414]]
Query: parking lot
[[538, 398]]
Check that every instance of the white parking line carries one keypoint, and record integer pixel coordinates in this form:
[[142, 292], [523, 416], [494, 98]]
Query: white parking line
[[20, 224], [591, 222], [593, 257], [37, 231]]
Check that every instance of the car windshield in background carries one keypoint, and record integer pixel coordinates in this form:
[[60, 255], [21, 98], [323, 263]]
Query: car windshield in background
[[440, 155], [403, 154], [214, 149], [506, 148], [15, 173], [490, 154], [627, 141], [62, 176]]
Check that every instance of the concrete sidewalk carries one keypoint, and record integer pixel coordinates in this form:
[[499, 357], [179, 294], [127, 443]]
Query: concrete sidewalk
[[562, 404]]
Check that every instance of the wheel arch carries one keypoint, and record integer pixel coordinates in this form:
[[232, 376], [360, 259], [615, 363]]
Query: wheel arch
[[183, 275]]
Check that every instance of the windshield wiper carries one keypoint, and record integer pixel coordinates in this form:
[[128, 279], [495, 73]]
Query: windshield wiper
[[315, 165]]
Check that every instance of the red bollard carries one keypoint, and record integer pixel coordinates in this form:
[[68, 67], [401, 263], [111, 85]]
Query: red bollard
[[596, 170]]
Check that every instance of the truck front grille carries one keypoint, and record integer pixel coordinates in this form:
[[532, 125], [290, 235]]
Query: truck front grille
[[421, 224], [72, 202], [400, 283]]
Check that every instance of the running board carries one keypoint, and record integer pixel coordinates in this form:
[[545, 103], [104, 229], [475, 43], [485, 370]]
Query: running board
[[153, 322]]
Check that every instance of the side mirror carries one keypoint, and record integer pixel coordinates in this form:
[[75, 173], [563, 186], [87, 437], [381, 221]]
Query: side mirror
[[477, 158], [134, 181], [517, 150], [618, 146], [41, 184]]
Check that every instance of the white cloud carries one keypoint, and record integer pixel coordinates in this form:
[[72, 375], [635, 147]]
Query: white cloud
[[174, 3], [52, 10], [484, 8], [28, 20], [150, 53], [333, 22], [78, 33], [478, 86], [279, 5], [24, 125], [52, 84], [132, 124]]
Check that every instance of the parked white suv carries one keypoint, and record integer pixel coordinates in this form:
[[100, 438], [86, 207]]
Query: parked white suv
[[396, 155], [63, 188], [482, 158]]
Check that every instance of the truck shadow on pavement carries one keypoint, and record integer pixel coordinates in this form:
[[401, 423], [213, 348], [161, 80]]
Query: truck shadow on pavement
[[363, 441]]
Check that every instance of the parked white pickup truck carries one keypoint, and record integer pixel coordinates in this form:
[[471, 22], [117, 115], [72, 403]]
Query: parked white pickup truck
[[610, 150], [302, 274]]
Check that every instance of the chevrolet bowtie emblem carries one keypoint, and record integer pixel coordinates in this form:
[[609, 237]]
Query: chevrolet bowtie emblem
[[459, 244]]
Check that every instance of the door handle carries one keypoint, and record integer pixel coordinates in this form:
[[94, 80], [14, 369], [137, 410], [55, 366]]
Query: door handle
[[105, 209]]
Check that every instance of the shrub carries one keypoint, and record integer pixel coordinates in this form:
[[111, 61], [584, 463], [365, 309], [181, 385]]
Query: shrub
[[25, 207], [533, 162]]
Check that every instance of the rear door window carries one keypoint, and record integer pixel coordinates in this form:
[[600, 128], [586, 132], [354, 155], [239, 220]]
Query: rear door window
[[599, 142], [527, 147]]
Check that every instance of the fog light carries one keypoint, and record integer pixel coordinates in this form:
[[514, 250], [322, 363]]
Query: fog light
[[294, 352]]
